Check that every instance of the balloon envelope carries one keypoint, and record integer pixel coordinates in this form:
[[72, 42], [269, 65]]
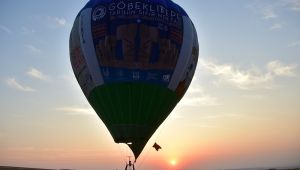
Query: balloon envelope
[[134, 61]]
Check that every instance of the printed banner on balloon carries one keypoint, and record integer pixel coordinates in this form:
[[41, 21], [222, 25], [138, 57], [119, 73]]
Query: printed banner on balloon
[[136, 41]]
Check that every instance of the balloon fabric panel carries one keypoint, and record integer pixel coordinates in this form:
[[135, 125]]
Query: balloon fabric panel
[[132, 118]]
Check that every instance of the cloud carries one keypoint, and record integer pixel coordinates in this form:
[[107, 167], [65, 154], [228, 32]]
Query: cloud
[[265, 10], [279, 69], [27, 31], [195, 89], [196, 96], [205, 126], [250, 78], [176, 116], [33, 49], [293, 5], [276, 26], [268, 13], [60, 21], [294, 44], [54, 22], [203, 100], [12, 82], [76, 110], [223, 115], [254, 96], [271, 11], [5, 29], [242, 79], [35, 73]]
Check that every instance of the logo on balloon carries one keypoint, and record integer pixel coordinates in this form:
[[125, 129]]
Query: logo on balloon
[[99, 13]]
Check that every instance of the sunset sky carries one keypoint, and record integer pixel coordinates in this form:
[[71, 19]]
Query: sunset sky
[[241, 110]]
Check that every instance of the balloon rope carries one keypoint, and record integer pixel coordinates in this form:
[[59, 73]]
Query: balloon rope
[[122, 153], [129, 153]]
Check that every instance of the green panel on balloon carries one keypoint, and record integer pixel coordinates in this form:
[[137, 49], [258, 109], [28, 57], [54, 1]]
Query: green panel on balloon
[[132, 111]]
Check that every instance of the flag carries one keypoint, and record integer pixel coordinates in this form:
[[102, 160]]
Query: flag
[[156, 146]]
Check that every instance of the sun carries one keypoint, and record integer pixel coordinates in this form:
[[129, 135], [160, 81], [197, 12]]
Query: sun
[[173, 162]]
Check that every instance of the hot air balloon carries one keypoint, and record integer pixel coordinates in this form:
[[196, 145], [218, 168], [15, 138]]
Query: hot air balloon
[[134, 60]]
